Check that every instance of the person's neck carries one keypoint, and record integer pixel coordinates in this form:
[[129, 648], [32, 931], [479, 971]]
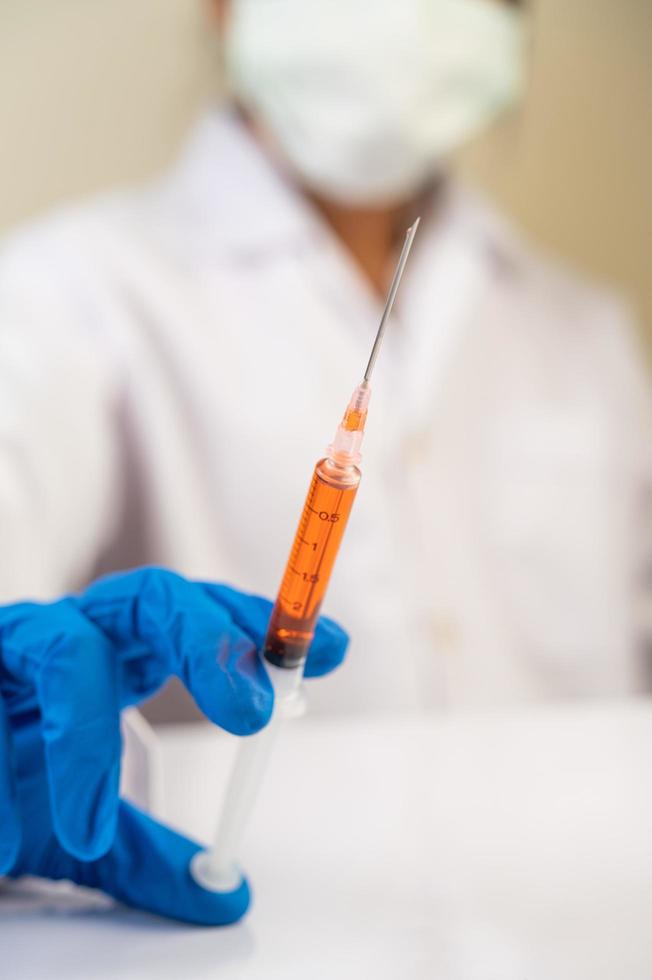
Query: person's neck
[[370, 235]]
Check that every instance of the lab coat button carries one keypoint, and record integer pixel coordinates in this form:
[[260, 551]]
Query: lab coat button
[[415, 447], [445, 634]]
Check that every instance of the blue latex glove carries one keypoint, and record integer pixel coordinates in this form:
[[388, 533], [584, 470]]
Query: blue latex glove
[[66, 670]]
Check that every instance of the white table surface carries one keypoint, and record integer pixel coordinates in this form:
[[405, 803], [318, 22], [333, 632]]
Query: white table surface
[[507, 846]]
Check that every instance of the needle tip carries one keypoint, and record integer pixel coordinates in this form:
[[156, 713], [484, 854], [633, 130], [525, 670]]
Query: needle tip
[[407, 245]]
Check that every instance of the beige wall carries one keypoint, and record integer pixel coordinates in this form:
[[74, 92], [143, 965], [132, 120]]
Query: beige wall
[[575, 167], [95, 92]]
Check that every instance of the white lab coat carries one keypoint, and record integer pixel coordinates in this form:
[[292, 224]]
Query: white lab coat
[[174, 359]]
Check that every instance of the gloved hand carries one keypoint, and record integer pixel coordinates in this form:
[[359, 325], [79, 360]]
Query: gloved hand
[[67, 668]]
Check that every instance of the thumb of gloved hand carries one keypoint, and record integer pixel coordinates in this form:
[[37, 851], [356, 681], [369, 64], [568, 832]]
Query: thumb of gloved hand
[[148, 867]]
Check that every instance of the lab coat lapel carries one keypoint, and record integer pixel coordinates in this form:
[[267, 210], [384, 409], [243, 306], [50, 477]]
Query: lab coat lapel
[[447, 278], [226, 199]]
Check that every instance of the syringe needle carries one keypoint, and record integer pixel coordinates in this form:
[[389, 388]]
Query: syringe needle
[[391, 296]]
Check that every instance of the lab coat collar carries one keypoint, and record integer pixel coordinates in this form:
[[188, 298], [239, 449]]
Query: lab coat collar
[[230, 199], [228, 194]]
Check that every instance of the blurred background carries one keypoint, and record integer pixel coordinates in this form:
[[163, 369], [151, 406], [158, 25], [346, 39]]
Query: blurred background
[[95, 94]]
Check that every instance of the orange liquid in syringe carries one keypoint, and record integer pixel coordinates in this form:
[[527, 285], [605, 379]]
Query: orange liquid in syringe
[[316, 543]]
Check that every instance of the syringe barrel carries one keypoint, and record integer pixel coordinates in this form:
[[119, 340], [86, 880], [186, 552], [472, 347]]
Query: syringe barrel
[[316, 543]]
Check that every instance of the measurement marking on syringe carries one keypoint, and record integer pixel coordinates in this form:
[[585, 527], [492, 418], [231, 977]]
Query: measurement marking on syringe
[[315, 577]]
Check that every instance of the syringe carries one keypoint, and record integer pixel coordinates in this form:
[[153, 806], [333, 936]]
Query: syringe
[[292, 624]]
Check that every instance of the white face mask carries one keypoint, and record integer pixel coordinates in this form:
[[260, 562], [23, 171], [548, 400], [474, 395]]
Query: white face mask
[[364, 98]]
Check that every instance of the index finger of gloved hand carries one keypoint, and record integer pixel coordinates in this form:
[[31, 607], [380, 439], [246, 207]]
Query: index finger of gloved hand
[[328, 648], [252, 613], [148, 868], [9, 821], [192, 635], [73, 669]]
